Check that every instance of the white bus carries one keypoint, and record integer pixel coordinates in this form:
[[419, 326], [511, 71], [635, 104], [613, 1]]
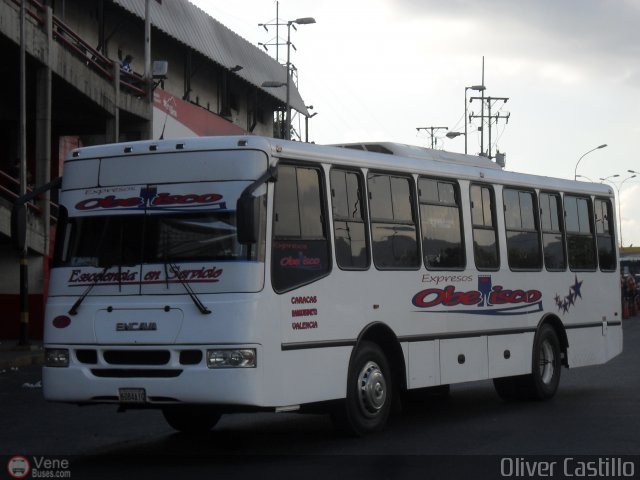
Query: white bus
[[223, 274]]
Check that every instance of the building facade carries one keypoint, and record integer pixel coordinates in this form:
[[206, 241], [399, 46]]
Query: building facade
[[208, 82]]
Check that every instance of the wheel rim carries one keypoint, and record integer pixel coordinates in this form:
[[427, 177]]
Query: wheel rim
[[372, 389], [547, 362]]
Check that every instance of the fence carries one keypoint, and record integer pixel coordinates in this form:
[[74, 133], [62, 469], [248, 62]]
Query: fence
[[94, 59]]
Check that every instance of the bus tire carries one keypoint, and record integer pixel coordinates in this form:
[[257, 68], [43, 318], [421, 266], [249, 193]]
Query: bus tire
[[547, 364], [542, 383], [369, 393], [191, 419]]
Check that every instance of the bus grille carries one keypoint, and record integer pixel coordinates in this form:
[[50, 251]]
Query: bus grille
[[135, 373], [137, 357]]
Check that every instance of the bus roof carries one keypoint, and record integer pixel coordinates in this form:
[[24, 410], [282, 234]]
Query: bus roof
[[374, 155]]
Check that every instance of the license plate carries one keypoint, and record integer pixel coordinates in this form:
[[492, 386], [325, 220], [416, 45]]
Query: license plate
[[132, 395]]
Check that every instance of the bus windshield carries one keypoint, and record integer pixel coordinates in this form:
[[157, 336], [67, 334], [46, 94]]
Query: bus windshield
[[105, 241]]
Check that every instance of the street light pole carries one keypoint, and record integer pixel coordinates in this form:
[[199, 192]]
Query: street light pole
[[618, 189], [575, 171], [602, 180], [477, 88], [299, 21], [306, 125], [588, 178]]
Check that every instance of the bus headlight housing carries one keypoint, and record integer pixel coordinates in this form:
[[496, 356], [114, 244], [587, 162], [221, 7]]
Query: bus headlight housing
[[231, 358], [56, 357]]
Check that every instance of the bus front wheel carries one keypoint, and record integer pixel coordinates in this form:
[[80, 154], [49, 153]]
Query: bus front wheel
[[192, 419], [369, 392]]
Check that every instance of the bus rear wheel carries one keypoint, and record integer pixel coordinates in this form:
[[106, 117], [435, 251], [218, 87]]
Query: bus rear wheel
[[192, 419], [542, 383], [369, 393], [547, 364]]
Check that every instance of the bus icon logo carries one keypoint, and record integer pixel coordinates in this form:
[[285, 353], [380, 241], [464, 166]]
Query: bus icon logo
[[18, 467]]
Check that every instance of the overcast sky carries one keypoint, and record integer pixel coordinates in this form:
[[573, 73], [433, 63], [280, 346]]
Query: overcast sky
[[377, 69]]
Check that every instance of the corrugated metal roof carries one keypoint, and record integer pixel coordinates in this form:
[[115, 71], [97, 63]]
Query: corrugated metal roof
[[195, 28]]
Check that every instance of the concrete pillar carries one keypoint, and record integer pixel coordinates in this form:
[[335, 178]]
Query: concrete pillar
[[112, 131]]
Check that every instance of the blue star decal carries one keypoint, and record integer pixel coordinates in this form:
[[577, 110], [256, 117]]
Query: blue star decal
[[576, 287], [564, 304]]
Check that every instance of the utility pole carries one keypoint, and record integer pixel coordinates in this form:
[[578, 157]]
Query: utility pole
[[431, 133], [24, 254], [498, 116]]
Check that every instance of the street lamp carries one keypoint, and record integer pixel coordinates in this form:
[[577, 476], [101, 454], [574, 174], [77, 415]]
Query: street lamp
[[584, 176], [453, 135], [618, 188], [575, 172], [306, 123], [602, 180], [477, 88]]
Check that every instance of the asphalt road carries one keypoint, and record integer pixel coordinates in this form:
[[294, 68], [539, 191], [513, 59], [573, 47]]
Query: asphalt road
[[596, 412]]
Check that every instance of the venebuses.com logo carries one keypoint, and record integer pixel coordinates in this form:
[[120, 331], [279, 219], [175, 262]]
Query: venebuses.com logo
[[19, 466]]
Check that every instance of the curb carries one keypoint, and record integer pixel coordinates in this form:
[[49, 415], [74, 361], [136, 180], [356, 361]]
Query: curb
[[21, 357]]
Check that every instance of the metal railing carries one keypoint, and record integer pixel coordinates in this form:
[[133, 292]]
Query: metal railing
[[10, 190], [73, 43]]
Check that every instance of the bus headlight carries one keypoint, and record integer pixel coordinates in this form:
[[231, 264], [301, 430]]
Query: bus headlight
[[56, 357], [231, 358]]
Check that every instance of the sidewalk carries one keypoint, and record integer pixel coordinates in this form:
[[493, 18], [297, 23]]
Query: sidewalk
[[14, 355]]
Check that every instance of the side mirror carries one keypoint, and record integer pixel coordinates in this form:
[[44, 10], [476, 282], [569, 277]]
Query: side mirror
[[247, 219], [248, 208], [19, 226]]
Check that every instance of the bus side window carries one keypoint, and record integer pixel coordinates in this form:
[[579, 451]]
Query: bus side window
[[523, 238], [442, 243], [393, 226], [580, 239], [352, 248], [300, 250], [604, 234], [485, 238], [552, 232]]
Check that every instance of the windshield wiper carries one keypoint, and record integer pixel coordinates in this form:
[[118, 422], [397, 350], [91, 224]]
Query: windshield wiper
[[74, 309], [196, 301]]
